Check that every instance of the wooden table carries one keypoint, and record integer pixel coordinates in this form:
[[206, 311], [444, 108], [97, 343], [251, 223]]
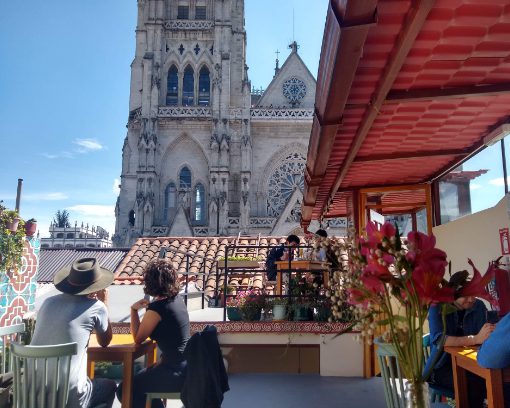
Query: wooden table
[[463, 360], [121, 349], [305, 266]]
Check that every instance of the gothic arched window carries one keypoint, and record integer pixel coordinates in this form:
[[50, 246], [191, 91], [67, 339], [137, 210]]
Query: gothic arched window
[[188, 87], [185, 178], [131, 218], [172, 86], [204, 87], [170, 200], [199, 203]]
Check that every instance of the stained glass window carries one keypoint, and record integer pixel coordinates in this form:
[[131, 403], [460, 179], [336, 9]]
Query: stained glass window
[[294, 90], [199, 203], [182, 12], [188, 87], [284, 180], [172, 86], [200, 13]]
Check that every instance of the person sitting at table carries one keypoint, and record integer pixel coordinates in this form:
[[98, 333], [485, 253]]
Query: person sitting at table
[[280, 253], [167, 322], [465, 327], [70, 317]]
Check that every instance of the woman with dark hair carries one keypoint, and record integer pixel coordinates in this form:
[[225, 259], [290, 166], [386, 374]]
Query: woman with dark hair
[[167, 322]]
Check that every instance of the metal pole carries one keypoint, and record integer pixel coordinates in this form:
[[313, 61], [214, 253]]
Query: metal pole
[[187, 280], [18, 194], [503, 156]]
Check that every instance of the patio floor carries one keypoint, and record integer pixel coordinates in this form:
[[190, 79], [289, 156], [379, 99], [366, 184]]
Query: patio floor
[[299, 391]]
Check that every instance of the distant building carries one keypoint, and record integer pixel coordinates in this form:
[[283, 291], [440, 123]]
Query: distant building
[[77, 237]]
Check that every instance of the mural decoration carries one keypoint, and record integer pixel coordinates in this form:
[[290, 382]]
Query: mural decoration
[[17, 290]]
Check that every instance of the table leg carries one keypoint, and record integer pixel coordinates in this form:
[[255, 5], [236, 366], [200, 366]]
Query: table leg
[[90, 368], [494, 383], [278, 288], [127, 381], [460, 384]]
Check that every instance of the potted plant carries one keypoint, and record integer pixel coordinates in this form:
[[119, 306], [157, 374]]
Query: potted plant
[[11, 220], [251, 308], [279, 308], [303, 311], [233, 312], [31, 227], [11, 241]]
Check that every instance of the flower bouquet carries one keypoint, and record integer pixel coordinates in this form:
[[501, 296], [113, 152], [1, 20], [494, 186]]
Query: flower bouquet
[[249, 303], [391, 283]]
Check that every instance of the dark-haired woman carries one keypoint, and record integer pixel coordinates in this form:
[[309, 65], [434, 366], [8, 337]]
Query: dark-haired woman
[[167, 322]]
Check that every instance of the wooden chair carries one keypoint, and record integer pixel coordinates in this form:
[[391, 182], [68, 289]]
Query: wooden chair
[[436, 393], [394, 383], [46, 370], [9, 334], [163, 396]]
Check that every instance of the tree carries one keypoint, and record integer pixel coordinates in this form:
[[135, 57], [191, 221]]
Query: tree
[[61, 219]]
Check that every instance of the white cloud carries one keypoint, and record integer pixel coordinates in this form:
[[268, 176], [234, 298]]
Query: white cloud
[[474, 186], [94, 215], [115, 187], [499, 181], [51, 196], [88, 145], [50, 156]]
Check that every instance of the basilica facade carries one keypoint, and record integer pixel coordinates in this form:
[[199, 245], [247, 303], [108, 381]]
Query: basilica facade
[[205, 154]]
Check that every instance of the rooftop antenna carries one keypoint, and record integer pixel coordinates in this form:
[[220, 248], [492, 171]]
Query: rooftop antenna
[[293, 20]]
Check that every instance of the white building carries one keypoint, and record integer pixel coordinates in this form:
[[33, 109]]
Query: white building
[[77, 237], [204, 155]]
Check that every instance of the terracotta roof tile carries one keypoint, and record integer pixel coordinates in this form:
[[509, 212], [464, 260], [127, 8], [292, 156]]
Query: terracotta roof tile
[[203, 256]]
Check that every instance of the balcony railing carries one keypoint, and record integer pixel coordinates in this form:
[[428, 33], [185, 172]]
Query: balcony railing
[[189, 25], [184, 112]]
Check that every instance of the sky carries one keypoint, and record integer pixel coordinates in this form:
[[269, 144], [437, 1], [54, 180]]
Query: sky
[[64, 93]]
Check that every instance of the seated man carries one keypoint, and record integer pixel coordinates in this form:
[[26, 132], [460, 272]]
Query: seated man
[[71, 317], [495, 351], [280, 254], [465, 327]]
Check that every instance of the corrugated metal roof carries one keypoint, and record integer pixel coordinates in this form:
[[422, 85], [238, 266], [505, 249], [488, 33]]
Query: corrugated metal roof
[[52, 260]]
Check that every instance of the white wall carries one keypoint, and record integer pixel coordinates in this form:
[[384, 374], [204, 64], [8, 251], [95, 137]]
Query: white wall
[[474, 236]]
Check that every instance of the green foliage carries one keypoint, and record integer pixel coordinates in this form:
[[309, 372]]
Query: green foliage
[[239, 258], [61, 219], [31, 220], [11, 243], [279, 301]]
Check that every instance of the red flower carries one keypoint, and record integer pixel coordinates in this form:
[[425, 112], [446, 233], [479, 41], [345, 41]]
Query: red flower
[[477, 285]]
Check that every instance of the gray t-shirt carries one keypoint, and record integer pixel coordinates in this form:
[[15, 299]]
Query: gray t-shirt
[[65, 319]]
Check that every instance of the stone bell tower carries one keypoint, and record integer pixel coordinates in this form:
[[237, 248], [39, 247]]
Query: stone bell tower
[[187, 158]]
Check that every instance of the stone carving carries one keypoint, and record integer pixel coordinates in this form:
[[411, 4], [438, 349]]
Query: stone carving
[[262, 222], [294, 90], [281, 114], [184, 112], [189, 25]]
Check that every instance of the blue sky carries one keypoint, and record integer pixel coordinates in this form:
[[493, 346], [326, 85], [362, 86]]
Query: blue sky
[[64, 80]]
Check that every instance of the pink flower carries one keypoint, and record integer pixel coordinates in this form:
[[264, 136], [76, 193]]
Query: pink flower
[[477, 285]]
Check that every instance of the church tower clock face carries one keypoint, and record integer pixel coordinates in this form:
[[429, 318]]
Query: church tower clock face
[[294, 90]]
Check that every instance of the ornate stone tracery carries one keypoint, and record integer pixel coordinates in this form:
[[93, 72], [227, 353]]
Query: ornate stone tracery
[[294, 90], [282, 182]]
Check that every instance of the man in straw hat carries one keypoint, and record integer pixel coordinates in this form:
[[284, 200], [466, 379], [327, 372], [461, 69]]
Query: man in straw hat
[[70, 317]]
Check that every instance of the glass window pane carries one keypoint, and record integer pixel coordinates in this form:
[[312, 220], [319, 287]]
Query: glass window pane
[[185, 178], [183, 12], [199, 203], [172, 86], [188, 87], [204, 87], [200, 13]]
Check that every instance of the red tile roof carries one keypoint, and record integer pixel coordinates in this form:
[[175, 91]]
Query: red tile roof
[[203, 255]]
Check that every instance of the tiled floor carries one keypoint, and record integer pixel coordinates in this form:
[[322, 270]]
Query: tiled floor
[[299, 391]]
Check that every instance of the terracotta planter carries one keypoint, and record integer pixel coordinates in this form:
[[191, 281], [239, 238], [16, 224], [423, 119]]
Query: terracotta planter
[[12, 225], [30, 229]]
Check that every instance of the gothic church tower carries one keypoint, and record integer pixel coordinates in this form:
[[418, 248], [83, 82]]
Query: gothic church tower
[[185, 154]]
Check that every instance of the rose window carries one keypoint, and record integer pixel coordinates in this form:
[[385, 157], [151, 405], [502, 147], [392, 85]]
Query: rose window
[[294, 90], [286, 178]]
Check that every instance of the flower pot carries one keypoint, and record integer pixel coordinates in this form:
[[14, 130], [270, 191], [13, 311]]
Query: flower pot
[[12, 225], [251, 314], [30, 229], [303, 314], [279, 312], [234, 314], [239, 264]]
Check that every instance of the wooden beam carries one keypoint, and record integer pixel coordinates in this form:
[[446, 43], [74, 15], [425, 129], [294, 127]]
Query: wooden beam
[[413, 24], [397, 205], [447, 93], [410, 155]]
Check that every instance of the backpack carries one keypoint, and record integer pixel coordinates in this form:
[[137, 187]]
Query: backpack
[[274, 255]]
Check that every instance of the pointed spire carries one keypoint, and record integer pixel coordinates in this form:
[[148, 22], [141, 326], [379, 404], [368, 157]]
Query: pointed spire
[[277, 67]]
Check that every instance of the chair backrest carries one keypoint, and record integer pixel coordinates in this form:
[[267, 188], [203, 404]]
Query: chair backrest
[[426, 347], [8, 334], [391, 374], [46, 370]]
